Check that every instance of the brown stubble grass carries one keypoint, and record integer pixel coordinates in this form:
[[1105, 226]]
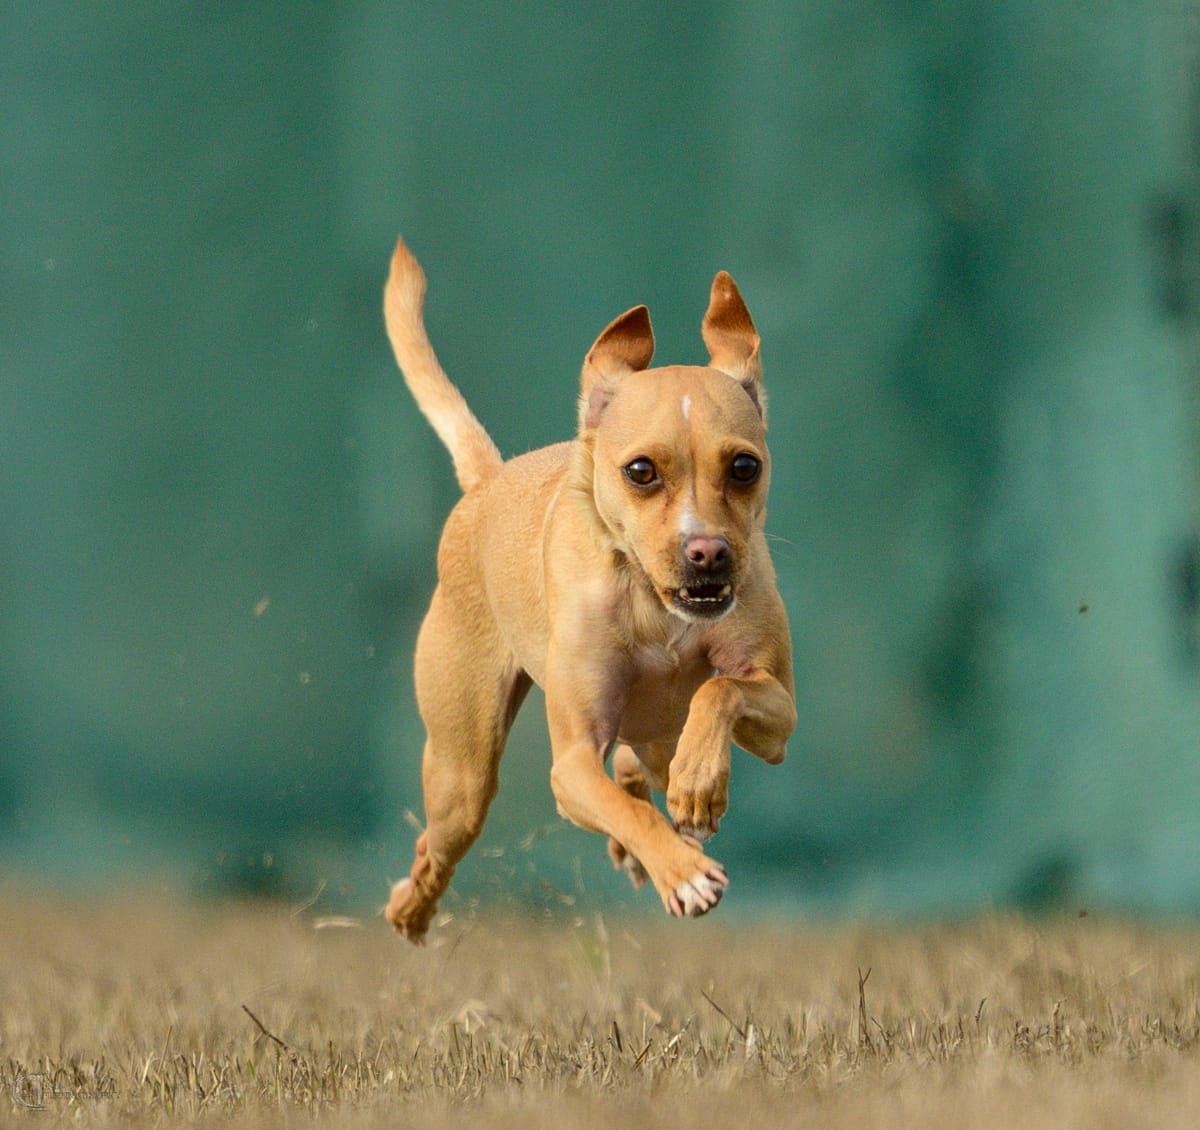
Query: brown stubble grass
[[143, 1012]]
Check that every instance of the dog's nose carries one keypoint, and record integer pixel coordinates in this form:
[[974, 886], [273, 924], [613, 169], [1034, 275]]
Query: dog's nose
[[707, 552]]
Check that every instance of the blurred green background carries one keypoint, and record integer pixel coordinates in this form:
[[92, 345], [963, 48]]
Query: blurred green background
[[970, 236]]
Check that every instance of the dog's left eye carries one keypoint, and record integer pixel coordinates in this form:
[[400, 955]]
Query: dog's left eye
[[641, 471], [744, 468]]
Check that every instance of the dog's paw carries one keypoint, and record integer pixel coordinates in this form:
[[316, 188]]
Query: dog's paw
[[698, 894], [630, 864], [697, 885], [407, 914], [636, 872], [698, 795]]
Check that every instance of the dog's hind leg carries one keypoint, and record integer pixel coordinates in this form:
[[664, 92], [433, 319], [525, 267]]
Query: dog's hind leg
[[630, 774], [469, 692], [638, 771]]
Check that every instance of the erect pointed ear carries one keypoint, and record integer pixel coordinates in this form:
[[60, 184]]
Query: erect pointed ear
[[625, 346], [731, 338]]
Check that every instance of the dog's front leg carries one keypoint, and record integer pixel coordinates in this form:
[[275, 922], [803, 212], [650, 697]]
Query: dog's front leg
[[754, 710], [687, 881]]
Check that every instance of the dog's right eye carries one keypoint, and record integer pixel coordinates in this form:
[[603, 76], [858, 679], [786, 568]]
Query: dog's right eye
[[641, 472], [744, 469]]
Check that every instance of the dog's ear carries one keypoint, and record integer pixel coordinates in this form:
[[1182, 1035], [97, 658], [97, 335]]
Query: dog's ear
[[625, 346], [731, 338]]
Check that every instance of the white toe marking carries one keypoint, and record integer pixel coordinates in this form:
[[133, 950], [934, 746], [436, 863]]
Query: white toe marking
[[699, 894]]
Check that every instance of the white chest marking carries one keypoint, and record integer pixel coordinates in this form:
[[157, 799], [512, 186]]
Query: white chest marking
[[685, 405]]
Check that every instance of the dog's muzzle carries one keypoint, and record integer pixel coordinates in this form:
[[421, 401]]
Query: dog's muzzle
[[707, 591]]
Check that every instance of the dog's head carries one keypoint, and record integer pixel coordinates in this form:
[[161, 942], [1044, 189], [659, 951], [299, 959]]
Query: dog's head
[[679, 467]]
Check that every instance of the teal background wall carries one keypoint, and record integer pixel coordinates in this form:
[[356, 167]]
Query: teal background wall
[[970, 236]]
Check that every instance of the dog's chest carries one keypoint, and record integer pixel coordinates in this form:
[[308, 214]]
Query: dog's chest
[[665, 678]]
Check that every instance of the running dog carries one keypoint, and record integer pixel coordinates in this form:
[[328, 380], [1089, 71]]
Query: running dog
[[625, 572]]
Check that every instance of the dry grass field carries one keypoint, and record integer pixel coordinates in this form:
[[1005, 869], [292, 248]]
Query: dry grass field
[[140, 1013]]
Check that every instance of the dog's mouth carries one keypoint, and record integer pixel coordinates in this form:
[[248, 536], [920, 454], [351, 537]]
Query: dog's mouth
[[708, 599]]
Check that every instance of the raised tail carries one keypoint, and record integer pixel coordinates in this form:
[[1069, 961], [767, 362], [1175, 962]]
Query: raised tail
[[474, 454]]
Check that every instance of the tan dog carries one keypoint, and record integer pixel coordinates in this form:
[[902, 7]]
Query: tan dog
[[627, 574]]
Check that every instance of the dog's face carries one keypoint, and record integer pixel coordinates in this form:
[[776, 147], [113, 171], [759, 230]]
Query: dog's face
[[680, 468]]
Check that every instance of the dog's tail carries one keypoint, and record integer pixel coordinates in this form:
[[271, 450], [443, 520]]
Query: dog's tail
[[474, 454]]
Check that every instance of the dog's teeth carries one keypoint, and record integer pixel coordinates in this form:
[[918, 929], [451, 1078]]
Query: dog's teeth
[[708, 597]]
